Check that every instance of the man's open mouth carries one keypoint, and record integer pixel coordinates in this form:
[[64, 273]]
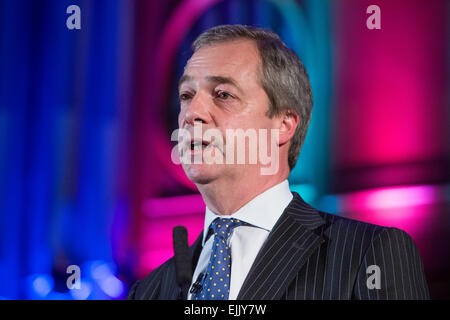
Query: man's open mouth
[[199, 144]]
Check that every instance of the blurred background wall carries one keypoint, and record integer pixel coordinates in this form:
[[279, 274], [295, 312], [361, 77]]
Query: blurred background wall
[[86, 116]]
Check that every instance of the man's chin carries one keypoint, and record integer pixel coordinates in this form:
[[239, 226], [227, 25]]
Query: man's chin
[[201, 173]]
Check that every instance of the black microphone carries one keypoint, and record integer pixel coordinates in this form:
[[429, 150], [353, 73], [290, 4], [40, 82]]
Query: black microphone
[[183, 264], [197, 285]]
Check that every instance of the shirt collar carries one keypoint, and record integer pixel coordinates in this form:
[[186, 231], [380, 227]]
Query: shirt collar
[[263, 211]]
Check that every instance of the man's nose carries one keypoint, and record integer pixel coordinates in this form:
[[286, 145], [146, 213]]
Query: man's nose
[[197, 110]]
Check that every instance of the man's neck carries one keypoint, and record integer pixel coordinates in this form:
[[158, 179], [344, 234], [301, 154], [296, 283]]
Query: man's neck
[[226, 198]]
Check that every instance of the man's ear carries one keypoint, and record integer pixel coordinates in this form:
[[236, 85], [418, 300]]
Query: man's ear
[[289, 122]]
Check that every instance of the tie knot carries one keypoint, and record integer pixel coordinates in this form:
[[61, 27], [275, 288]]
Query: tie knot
[[222, 227]]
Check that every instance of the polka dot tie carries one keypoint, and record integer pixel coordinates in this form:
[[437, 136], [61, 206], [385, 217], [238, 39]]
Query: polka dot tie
[[216, 281]]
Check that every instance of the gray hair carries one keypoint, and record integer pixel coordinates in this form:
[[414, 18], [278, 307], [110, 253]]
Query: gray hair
[[283, 76]]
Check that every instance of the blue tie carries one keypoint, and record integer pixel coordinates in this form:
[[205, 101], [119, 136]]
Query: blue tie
[[216, 281]]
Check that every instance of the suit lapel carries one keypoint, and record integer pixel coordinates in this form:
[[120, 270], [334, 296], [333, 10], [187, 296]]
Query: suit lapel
[[288, 247]]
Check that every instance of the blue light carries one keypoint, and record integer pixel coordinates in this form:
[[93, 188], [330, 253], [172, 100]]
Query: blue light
[[41, 285], [103, 274], [112, 286], [83, 293], [99, 270], [307, 191]]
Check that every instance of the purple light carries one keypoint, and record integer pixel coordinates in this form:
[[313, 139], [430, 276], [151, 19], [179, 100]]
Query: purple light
[[403, 207], [162, 214], [389, 198], [182, 205], [152, 259]]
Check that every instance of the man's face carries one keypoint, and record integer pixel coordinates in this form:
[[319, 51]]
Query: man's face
[[221, 90]]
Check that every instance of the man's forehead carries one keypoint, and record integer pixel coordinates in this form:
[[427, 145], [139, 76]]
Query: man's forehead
[[223, 60]]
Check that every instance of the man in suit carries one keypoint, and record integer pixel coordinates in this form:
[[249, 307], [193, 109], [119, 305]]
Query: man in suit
[[260, 241]]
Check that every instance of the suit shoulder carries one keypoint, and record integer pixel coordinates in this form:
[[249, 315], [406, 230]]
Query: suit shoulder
[[338, 225], [369, 227], [395, 235], [340, 228]]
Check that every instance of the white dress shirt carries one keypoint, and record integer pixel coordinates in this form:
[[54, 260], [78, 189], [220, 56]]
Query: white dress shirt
[[262, 213]]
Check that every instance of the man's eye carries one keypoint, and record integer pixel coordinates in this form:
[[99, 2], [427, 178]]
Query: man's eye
[[184, 97], [223, 95]]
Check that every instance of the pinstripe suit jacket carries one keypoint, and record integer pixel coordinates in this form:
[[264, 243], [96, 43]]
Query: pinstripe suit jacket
[[314, 255]]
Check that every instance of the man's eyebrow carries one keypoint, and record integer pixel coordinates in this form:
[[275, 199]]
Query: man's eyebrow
[[184, 78], [213, 79]]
